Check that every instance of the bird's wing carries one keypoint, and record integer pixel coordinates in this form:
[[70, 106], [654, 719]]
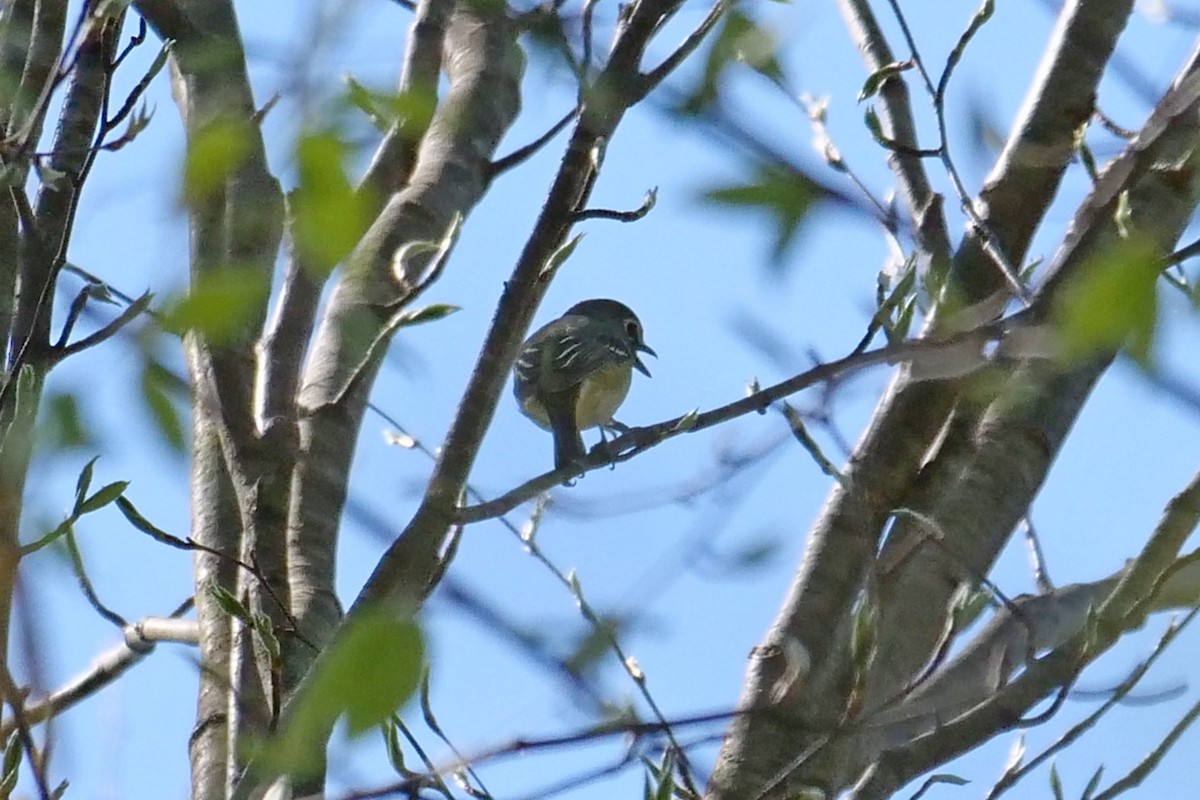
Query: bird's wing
[[571, 357]]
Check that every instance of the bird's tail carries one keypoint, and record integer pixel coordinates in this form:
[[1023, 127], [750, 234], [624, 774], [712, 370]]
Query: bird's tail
[[568, 443]]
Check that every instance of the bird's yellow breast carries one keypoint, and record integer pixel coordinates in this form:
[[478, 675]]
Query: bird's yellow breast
[[600, 395]]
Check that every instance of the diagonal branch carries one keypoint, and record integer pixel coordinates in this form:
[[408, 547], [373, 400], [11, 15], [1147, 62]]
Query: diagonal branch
[[982, 481], [911, 417], [394, 159], [1077, 625], [128, 315], [964, 350], [896, 117]]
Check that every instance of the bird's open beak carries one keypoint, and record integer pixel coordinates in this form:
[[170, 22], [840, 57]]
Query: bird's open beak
[[637, 362]]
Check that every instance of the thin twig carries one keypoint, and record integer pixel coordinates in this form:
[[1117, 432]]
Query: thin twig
[[13, 696], [1148, 764], [937, 96], [692, 41], [648, 203], [131, 312], [1077, 730], [1037, 557], [85, 583], [522, 154]]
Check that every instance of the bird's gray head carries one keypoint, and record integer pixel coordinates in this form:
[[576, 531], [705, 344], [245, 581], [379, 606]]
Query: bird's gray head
[[606, 309]]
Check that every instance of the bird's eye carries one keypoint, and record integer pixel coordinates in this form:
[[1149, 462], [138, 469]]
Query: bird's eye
[[633, 329]]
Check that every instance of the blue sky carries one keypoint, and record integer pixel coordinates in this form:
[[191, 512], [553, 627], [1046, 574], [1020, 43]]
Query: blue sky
[[690, 271]]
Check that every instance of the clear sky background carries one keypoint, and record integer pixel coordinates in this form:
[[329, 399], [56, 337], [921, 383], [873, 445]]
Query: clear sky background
[[695, 274]]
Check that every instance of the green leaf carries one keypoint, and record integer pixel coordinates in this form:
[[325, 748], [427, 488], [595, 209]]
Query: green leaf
[[968, 606], [213, 154], [877, 78], [64, 427], [222, 306], [228, 603], [1093, 784], [666, 773], [412, 109], [788, 196], [1055, 782], [946, 777], [102, 497], [266, 630], [687, 421], [559, 257], [144, 525], [395, 752], [83, 483], [328, 215], [10, 763], [157, 386], [429, 313], [594, 642], [368, 672], [749, 557], [1111, 303], [740, 41], [864, 630], [62, 530]]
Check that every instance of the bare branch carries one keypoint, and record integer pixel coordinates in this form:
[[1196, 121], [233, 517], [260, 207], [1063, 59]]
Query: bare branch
[[280, 351], [974, 688], [140, 639], [899, 126], [912, 418], [672, 62], [522, 154], [1073, 734], [638, 213], [128, 315], [11, 695], [394, 159]]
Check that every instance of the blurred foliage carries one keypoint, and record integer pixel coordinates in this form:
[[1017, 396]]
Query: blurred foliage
[[786, 195], [740, 41], [63, 426], [594, 642], [385, 110], [213, 155], [368, 673], [163, 393], [219, 306], [1112, 303], [328, 215]]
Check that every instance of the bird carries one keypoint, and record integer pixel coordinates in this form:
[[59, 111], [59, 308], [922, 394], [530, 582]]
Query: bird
[[574, 372]]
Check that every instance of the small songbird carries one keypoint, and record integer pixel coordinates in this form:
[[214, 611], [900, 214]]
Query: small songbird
[[573, 373]]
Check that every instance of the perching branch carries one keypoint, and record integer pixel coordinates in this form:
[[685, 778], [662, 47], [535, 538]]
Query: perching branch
[[637, 440]]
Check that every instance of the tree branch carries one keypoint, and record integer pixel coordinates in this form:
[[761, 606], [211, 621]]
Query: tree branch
[[959, 349], [896, 117], [140, 640], [909, 420], [394, 159], [240, 501]]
